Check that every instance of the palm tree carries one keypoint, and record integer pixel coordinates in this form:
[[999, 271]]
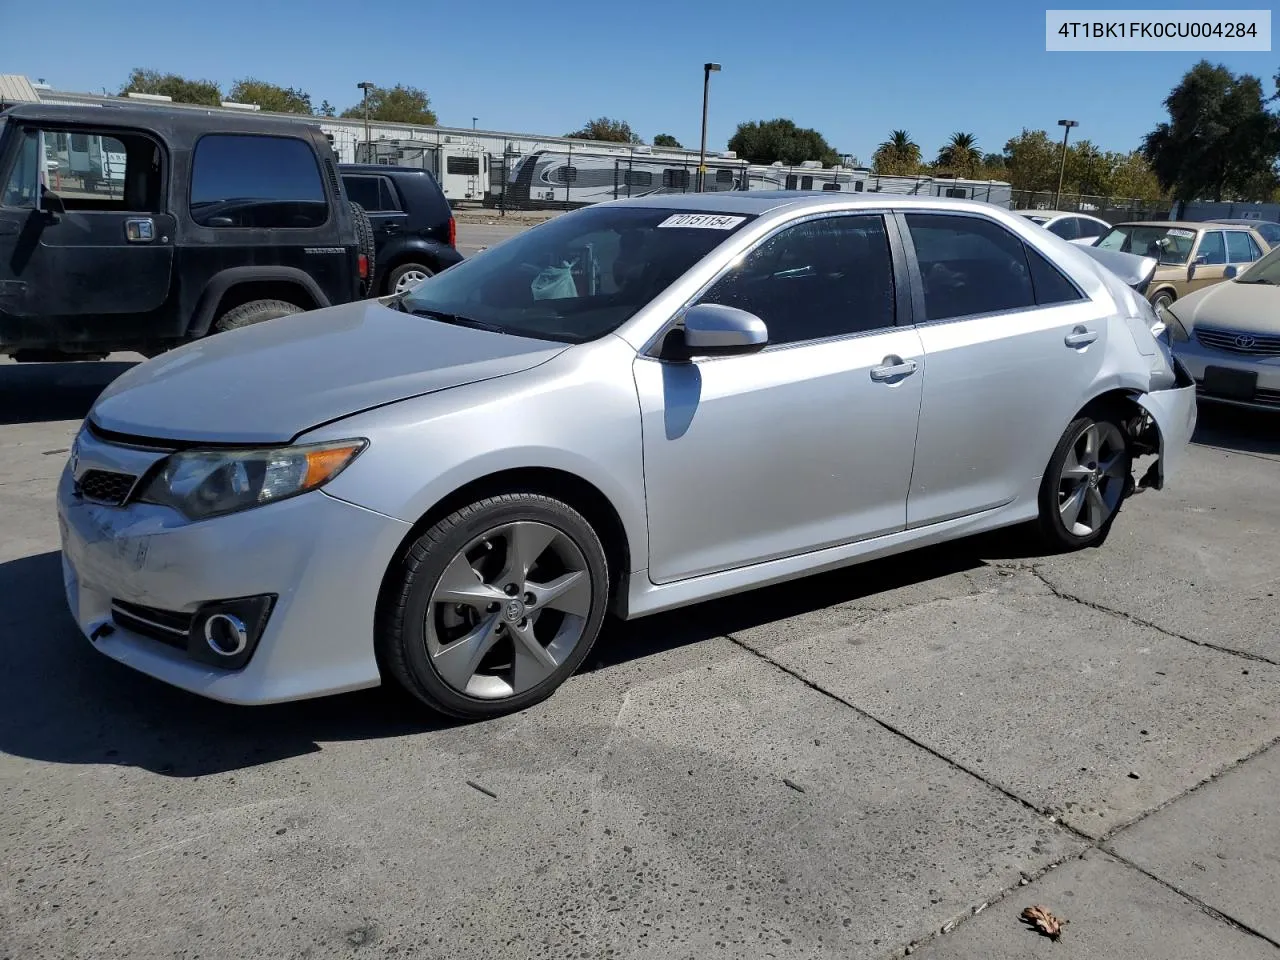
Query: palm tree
[[960, 156], [898, 155]]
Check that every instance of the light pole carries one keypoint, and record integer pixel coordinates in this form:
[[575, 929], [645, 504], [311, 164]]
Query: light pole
[[1062, 167], [366, 86], [707, 70], [473, 122]]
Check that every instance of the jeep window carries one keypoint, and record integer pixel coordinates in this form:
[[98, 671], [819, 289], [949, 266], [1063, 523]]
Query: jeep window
[[255, 181], [90, 172]]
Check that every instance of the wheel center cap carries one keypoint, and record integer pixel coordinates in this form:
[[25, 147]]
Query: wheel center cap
[[1093, 479], [513, 611]]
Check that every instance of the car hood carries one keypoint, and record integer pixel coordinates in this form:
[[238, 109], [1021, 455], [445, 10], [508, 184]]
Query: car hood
[[1133, 269], [271, 381], [1247, 307]]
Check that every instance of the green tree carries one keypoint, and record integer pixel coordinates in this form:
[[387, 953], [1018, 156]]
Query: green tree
[[960, 156], [271, 97], [1088, 170], [768, 141], [898, 156], [667, 140], [1219, 139], [1031, 161], [1133, 178], [180, 89], [606, 128], [398, 104], [993, 161], [327, 109]]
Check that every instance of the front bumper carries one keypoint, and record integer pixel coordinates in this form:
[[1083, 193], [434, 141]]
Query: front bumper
[[1198, 358], [322, 558]]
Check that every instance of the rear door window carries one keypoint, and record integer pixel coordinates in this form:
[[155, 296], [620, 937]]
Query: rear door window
[[969, 266], [264, 182], [1241, 248]]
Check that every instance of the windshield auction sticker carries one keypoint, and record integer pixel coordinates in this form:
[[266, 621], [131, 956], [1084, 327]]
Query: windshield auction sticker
[[1157, 30], [1185, 234], [701, 221]]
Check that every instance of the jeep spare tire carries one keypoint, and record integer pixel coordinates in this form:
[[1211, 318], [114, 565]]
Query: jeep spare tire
[[255, 311], [365, 244]]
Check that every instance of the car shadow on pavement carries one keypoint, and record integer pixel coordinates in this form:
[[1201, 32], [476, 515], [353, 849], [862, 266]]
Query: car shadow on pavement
[[45, 392], [62, 702], [1235, 428]]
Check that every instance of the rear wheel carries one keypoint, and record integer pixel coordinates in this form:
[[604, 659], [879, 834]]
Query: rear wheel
[[498, 604], [1089, 475], [407, 275], [255, 311]]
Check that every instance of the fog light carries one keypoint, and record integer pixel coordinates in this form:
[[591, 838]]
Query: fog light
[[224, 633]]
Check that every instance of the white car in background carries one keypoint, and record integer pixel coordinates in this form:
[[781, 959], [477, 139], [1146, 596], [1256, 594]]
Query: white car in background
[[1078, 228]]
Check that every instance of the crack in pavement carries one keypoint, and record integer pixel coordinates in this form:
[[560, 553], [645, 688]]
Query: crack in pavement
[[1142, 622], [1100, 844]]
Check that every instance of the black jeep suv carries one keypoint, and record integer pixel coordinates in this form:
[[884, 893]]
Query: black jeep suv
[[414, 232], [141, 228]]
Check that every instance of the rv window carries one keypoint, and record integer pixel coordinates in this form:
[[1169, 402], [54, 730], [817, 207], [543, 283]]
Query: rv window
[[957, 192], [463, 166], [678, 179], [857, 187], [724, 176], [806, 183], [637, 178], [566, 174], [791, 181], [79, 142], [831, 186], [256, 181]]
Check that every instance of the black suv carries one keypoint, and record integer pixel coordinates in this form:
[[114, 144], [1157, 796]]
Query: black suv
[[140, 228], [414, 232]]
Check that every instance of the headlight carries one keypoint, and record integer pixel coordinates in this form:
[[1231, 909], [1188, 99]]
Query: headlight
[[209, 483]]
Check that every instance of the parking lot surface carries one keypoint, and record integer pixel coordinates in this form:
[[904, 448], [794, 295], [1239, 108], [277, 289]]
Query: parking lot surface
[[897, 757]]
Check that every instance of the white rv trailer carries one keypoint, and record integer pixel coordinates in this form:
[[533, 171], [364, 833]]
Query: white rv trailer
[[810, 175], [573, 178], [462, 169]]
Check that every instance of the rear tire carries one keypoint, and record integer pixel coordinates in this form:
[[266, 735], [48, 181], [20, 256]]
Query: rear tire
[[406, 273], [1087, 481], [1162, 300], [255, 311], [496, 606]]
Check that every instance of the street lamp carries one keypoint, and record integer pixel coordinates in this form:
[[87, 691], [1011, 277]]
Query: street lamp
[[707, 70], [473, 122], [366, 86], [1062, 167]]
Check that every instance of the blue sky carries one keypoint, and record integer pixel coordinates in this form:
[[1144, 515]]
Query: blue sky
[[854, 71]]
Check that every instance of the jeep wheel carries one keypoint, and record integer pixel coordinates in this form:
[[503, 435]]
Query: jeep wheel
[[255, 311], [407, 275], [365, 245]]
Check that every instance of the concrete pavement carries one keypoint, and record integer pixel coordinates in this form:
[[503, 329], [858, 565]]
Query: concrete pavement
[[842, 767]]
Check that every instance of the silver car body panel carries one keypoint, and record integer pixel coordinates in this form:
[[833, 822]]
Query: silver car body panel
[[724, 474]]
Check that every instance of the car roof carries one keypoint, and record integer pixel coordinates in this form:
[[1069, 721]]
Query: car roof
[[158, 119], [1030, 212], [1243, 222], [765, 201], [382, 168], [1182, 224]]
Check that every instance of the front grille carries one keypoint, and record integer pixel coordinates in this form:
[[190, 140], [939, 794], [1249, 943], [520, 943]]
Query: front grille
[[105, 486], [1268, 398], [1238, 341], [163, 625]]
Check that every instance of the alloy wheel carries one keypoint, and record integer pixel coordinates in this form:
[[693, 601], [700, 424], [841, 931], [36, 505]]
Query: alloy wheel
[[1092, 481], [410, 278], [509, 610]]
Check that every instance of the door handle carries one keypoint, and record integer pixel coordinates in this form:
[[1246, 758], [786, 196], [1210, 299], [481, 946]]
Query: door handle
[[391, 227], [893, 367], [1080, 337], [140, 230]]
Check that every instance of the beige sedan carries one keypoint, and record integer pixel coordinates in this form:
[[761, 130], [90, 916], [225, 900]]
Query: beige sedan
[[1192, 255], [1228, 337]]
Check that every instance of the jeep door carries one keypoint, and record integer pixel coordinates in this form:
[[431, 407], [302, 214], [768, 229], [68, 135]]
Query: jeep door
[[85, 257]]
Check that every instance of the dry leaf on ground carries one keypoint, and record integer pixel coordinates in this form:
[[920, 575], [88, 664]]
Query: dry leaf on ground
[[1044, 921]]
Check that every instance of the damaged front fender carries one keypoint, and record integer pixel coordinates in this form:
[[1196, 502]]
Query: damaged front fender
[[1172, 422]]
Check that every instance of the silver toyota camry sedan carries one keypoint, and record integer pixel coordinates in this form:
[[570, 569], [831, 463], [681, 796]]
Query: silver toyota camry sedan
[[632, 407]]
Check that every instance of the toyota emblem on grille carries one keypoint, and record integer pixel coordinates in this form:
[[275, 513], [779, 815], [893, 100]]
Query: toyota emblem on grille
[[1244, 341]]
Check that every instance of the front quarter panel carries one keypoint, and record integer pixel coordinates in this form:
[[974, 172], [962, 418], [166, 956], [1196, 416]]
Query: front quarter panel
[[577, 413]]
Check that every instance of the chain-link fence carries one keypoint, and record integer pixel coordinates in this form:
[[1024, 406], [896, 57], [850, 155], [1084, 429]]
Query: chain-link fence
[[1111, 209]]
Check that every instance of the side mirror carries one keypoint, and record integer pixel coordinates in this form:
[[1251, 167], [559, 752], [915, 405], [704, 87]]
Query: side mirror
[[1230, 272], [715, 330], [51, 203]]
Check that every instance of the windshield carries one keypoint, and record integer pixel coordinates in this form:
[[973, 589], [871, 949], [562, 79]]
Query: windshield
[[577, 277], [1265, 271], [1168, 244]]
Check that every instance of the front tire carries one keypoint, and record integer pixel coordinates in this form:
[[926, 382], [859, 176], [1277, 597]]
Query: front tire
[[497, 605], [1087, 480], [1162, 301]]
